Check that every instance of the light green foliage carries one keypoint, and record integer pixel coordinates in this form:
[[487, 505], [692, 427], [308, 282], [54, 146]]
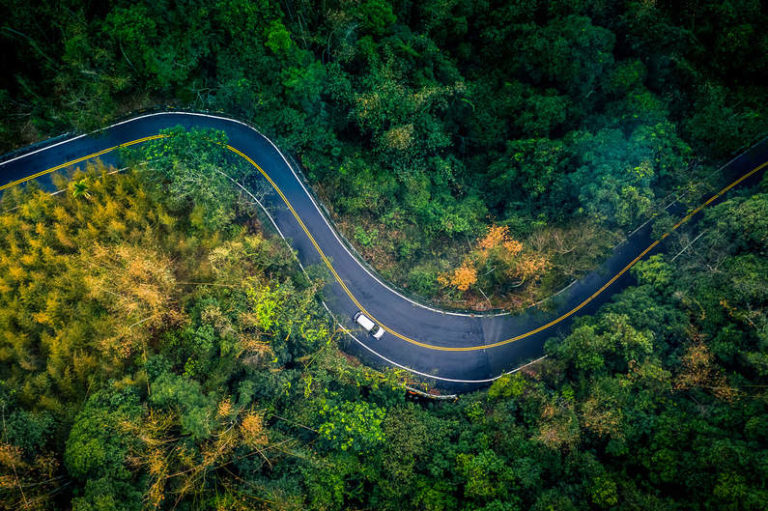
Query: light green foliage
[[351, 426], [486, 474], [266, 303], [96, 447], [609, 344], [656, 272], [729, 220], [508, 386], [278, 38], [196, 409], [287, 317], [364, 238], [376, 15], [604, 492]]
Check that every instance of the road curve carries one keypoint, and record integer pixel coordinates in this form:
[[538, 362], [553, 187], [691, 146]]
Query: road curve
[[449, 350]]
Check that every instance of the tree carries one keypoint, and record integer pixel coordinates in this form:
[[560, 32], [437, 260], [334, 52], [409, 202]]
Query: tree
[[376, 15], [570, 51], [486, 477], [351, 426], [498, 262], [462, 278], [190, 170], [525, 176], [196, 410], [608, 344], [96, 452]]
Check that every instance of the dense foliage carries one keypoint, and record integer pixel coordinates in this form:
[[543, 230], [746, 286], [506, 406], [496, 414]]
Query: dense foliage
[[145, 348], [151, 360], [423, 122], [159, 351]]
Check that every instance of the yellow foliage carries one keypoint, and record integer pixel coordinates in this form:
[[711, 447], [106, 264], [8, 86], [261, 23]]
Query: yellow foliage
[[10, 456], [16, 273], [253, 431], [518, 262], [399, 138], [255, 352], [498, 243], [156, 465], [178, 468], [62, 236], [700, 371], [495, 236], [26, 484], [85, 283], [225, 408], [497, 256], [462, 277], [513, 247], [529, 266], [559, 431]]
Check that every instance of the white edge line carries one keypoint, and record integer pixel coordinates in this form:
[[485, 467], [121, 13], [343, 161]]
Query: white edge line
[[333, 230], [295, 175], [346, 331], [49, 147], [193, 114], [311, 198], [322, 215]]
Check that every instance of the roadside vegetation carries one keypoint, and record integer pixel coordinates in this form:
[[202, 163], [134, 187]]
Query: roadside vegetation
[[160, 350], [422, 125], [151, 359]]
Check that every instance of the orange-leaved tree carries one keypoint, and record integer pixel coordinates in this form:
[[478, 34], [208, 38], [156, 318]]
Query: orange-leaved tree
[[496, 265], [462, 278]]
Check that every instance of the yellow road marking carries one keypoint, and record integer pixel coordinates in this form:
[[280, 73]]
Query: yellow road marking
[[79, 160], [352, 296]]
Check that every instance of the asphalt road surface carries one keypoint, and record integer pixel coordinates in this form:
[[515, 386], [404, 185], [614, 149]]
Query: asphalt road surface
[[448, 350]]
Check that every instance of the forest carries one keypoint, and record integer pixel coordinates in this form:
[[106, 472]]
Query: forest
[[161, 349]]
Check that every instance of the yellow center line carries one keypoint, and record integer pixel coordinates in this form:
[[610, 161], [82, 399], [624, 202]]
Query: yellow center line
[[79, 160], [349, 293]]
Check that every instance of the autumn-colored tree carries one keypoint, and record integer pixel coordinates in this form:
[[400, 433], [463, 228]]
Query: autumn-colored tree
[[699, 371], [501, 254], [178, 469], [462, 277], [497, 265], [136, 284]]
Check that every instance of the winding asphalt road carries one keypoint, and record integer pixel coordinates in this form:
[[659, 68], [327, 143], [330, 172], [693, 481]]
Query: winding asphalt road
[[449, 350]]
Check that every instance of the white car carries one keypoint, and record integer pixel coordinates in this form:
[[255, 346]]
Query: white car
[[367, 323]]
